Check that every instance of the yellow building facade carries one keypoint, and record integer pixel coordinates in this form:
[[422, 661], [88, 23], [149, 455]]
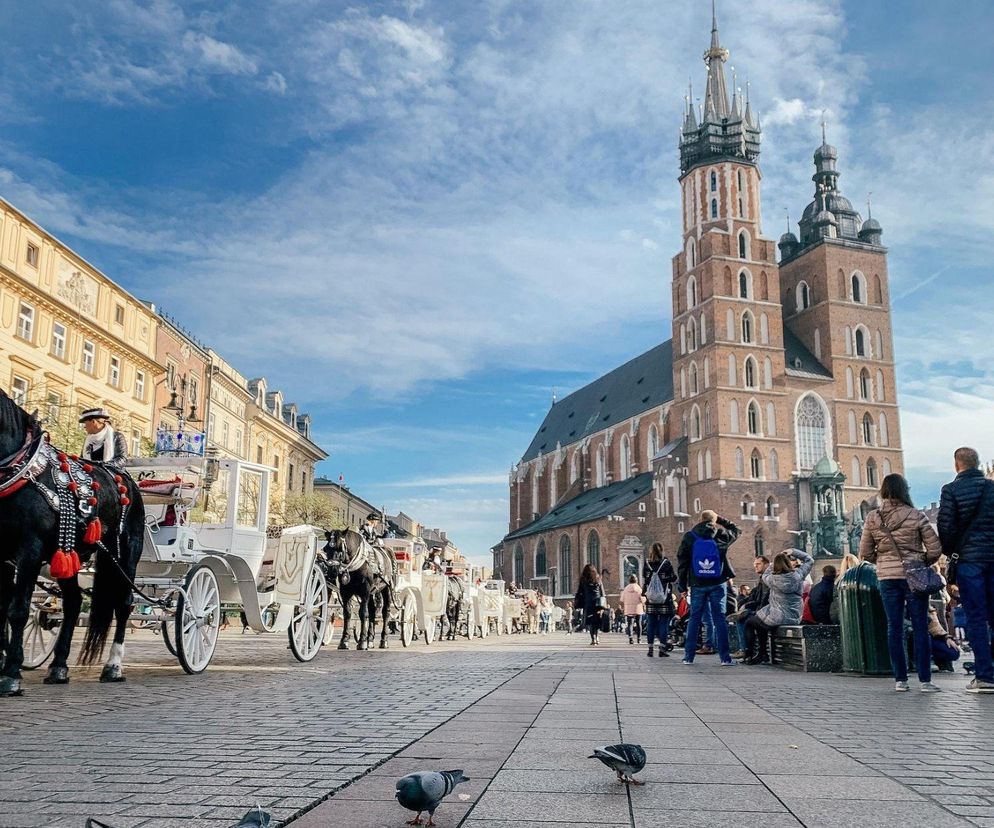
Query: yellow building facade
[[70, 338]]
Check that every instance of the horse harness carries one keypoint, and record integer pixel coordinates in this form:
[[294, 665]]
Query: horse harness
[[380, 561], [71, 494]]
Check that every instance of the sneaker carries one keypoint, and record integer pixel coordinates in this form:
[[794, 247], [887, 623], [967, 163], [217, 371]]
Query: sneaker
[[928, 687], [687, 661], [631, 640], [980, 686], [705, 651], [728, 664], [739, 654], [901, 687]]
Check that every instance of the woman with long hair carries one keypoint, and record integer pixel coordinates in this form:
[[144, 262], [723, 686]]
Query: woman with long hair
[[659, 611], [894, 533], [785, 580], [848, 562], [590, 599]]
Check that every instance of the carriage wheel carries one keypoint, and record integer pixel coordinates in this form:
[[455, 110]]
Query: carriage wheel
[[408, 619], [40, 634], [198, 620], [310, 619], [470, 624], [430, 628], [167, 637]]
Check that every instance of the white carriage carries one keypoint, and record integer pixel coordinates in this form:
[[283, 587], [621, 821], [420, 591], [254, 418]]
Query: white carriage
[[490, 606], [420, 595], [206, 551]]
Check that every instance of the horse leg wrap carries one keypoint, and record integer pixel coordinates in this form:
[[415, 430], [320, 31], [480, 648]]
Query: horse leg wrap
[[10, 687]]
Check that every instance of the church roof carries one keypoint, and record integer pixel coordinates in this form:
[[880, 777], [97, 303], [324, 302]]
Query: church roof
[[800, 361], [639, 385], [590, 505]]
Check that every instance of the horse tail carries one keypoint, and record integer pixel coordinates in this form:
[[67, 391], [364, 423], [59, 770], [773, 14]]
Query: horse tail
[[112, 580]]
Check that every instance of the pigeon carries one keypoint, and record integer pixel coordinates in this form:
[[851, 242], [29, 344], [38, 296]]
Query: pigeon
[[425, 790], [624, 759], [256, 818]]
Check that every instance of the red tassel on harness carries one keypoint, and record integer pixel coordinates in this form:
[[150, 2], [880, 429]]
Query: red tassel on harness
[[94, 531], [64, 565]]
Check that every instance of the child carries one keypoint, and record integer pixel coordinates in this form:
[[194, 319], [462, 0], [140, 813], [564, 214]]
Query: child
[[631, 601]]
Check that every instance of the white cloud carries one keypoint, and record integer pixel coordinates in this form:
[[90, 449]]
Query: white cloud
[[447, 481], [275, 82], [785, 112], [217, 56]]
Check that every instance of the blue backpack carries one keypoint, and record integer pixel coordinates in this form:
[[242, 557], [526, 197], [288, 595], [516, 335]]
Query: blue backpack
[[705, 560]]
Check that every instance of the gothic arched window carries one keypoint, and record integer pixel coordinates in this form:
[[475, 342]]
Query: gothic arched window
[[653, 444], [803, 296], [714, 181], [871, 473], [714, 208], [743, 285], [541, 562], [743, 245], [753, 417], [756, 465], [750, 373], [519, 565], [565, 566], [695, 423], [860, 342], [626, 458], [868, 430], [593, 549], [811, 427], [691, 292], [865, 385], [747, 327]]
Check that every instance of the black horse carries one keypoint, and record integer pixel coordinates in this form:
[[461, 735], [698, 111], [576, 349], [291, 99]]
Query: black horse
[[455, 593], [30, 528], [348, 566]]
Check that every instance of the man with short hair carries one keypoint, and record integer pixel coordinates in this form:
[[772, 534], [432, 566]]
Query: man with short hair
[[702, 565], [966, 530], [820, 597], [759, 597]]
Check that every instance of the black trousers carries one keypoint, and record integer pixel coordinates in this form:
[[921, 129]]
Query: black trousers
[[758, 635]]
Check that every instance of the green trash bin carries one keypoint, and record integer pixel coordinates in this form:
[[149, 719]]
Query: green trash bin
[[863, 622]]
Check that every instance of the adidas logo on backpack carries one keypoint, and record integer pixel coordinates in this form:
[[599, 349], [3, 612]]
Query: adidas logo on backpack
[[705, 558]]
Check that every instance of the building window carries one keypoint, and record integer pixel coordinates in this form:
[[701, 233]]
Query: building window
[[860, 342], [755, 465], [224, 433], [748, 506], [114, 376], [750, 373], [89, 361], [212, 431], [600, 471], [714, 181], [19, 391], [289, 476], [760, 545], [594, 550], [695, 423], [238, 441], [170, 375], [140, 385], [743, 241], [258, 449], [694, 384], [26, 322], [626, 458], [652, 449], [859, 287], [541, 563], [753, 417], [59, 340], [811, 424], [119, 314], [803, 296], [519, 565], [193, 390], [136, 443], [276, 468], [871, 473], [31, 257], [714, 208], [744, 285], [868, 430], [691, 292], [771, 507], [865, 385], [565, 565], [53, 404], [747, 327]]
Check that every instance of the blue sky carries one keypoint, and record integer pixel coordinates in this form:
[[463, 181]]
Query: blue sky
[[418, 218]]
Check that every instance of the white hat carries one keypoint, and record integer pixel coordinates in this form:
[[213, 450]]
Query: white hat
[[94, 414]]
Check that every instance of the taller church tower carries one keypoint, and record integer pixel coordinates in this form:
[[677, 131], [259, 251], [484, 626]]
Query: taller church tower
[[730, 395]]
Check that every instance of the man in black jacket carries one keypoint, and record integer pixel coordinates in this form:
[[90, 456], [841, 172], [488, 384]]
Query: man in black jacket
[[820, 597], [759, 597], [966, 530], [706, 575]]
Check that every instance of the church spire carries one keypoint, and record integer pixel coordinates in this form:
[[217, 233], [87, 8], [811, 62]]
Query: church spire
[[726, 129]]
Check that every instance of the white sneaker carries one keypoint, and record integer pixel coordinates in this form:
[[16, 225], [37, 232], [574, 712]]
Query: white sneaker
[[928, 687], [901, 687]]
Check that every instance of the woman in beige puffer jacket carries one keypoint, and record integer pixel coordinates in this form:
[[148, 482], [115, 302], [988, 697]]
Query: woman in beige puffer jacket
[[914, 540]]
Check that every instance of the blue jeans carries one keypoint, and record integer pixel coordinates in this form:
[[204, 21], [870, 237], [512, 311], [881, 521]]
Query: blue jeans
[[976, 592], [898, 599], [712, 598], [658, 627]]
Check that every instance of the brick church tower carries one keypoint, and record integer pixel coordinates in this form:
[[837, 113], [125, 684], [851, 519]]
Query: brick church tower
[[730, 400]]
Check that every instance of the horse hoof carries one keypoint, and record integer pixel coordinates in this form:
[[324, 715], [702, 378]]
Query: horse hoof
[[112, 673], [10, 687], [57, 675], [361, 646], [383, 645], [343, 646]]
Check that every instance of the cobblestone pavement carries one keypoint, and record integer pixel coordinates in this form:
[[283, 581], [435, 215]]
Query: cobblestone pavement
[[727, 747]]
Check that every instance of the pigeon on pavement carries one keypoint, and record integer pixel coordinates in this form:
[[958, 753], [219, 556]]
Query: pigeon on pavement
[[624, 759], [425, 790]]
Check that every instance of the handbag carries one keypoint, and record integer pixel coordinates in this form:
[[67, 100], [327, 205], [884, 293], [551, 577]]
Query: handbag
[[964, 536], [922, 579], [605, 622]]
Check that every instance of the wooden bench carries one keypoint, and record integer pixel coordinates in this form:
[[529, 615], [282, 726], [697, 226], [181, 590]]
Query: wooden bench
[[808, 648]]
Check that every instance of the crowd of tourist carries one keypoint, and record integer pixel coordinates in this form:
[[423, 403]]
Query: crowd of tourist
[[917, 567]]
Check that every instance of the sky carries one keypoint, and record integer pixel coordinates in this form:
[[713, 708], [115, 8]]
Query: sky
[[421, 219]]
